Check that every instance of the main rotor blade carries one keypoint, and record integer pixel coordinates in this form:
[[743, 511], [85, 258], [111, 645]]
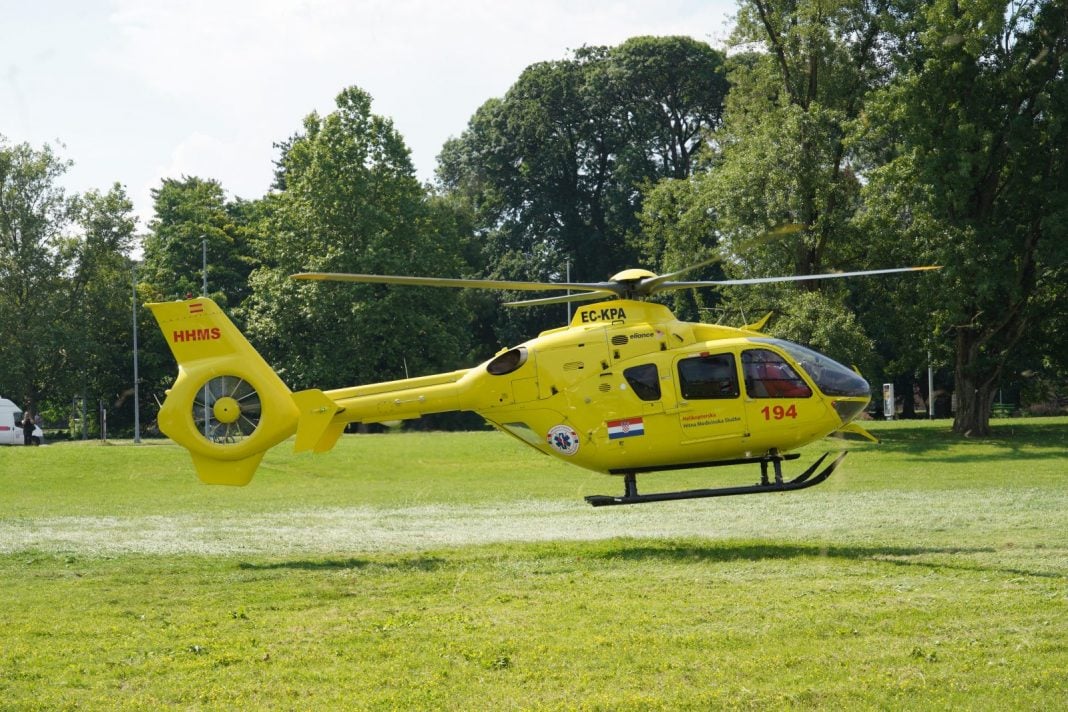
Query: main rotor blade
[[447, 282], [582, 297], [652, 285], [793, 278]]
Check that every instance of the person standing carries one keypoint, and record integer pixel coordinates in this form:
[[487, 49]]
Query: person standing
[[27, 428]]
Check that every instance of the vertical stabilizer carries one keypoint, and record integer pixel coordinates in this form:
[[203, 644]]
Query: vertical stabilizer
[[227, 405]]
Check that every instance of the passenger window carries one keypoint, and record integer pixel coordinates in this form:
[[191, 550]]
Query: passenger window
[[644, 380], [767, 375], [708, 377]]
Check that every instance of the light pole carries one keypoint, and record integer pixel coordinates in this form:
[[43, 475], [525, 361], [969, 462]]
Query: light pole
[[204, 293], [567, 276], [136, 389]]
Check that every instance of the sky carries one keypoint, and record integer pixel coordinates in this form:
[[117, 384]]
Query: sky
[[134, 91]]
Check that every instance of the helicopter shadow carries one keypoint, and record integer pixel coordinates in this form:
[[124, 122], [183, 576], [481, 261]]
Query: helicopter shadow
[[755, 552], [422, 563], [636, 551]]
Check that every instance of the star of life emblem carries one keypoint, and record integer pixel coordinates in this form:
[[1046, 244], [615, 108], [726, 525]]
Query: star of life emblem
[[563, 439]]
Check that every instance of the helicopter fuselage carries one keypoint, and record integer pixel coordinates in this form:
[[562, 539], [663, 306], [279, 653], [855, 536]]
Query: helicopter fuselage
[[626, 387]]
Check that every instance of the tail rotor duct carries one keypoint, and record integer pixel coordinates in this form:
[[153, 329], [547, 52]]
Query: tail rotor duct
[[226, 410]]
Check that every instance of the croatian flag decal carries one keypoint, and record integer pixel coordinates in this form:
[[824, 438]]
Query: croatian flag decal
[[626, 428]]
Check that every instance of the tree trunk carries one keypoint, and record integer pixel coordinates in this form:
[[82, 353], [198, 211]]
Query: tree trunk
[[974, 388], [974, 401]]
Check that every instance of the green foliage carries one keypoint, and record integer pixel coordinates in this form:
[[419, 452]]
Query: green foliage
[[191, 213], [553, 171], [977, 120], [34, 213], [65, 285], [821, 322], [783, 155], [351, 203], [97, 359]]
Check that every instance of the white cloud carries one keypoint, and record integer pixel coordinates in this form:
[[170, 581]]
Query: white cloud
[[207, 86], [206, 156]]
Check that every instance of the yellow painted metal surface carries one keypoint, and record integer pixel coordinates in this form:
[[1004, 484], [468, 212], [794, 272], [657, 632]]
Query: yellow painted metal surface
[[583, 393]]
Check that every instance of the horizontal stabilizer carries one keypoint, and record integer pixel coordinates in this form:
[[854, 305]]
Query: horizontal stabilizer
[[329, 437], [315, 411]]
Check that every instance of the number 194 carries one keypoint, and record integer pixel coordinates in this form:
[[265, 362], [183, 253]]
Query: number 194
[[778, 412]]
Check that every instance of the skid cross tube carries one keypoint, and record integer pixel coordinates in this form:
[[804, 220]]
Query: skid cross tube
[[802, 481]]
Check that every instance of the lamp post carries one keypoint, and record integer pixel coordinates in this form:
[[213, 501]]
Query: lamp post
[[136, 385], [567, 276], [204, 293]]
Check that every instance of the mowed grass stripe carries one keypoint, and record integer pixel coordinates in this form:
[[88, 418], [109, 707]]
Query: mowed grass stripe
[[462, 571], [1001, 517], [621, 624]]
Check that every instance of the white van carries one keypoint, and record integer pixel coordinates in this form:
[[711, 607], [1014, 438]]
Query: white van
[[11, 425]]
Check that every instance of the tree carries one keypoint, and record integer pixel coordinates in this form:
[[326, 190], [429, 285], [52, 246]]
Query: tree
[[784, 154], [34, 212], [976, 119], [678, 229], [553, 172], [190, 213], [351, 203], [64, 284], [95, 325], [779, 187]]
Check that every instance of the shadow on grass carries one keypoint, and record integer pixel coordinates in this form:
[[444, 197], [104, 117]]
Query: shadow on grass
[[1044, 440], [636, 551], [422, 563], [755, 551]]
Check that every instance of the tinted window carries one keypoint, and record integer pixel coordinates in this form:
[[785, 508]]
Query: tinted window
[[507, 362], [644, 380], [831, 377], [708, 377], [768, 375]]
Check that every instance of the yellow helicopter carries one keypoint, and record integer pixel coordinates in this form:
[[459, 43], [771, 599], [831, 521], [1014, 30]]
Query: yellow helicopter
[[624, 389]]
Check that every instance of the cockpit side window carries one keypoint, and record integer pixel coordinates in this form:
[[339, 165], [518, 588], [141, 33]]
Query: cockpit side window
[[708, 376], [768, 375], [644, 380], [507, 362]]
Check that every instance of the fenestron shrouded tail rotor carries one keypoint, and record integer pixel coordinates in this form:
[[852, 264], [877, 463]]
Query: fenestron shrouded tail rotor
[[227, 409], [227, 406]]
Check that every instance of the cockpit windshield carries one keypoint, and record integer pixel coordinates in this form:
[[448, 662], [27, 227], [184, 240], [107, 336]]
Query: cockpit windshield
[[831, 377]]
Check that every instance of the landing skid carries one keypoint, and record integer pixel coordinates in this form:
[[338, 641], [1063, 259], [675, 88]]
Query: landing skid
[[802, 481]]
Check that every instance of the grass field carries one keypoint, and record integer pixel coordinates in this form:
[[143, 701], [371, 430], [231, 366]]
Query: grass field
[[464, 571]]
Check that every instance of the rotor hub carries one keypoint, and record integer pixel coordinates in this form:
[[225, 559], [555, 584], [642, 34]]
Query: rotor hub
[[632, 275], [226, 410]]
